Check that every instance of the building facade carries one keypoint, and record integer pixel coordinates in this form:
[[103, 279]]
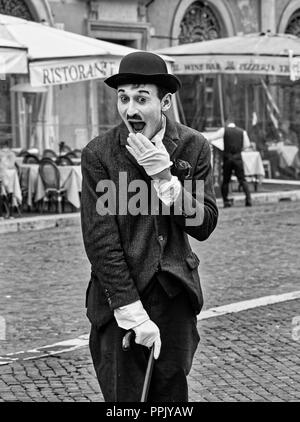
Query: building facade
[[80, 110]]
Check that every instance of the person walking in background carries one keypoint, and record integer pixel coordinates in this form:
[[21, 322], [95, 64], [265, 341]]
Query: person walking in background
[[235, 140], [144, 275]]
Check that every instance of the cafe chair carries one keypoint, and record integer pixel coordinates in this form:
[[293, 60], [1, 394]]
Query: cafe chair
[[49, 153], [46, 159], [31, 159], [267, 168], [64, 160], [50, 176], [77, 152], [64, 149], [22, 153], [70, 155]]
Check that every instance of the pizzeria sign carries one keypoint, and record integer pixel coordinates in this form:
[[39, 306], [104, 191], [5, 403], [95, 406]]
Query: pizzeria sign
[[256, 65]]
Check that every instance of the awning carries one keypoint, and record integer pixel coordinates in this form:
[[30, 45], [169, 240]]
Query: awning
[[58, 57], [257, 54], [13, 58]]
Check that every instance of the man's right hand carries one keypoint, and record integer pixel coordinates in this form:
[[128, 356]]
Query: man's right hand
[[147, 334]]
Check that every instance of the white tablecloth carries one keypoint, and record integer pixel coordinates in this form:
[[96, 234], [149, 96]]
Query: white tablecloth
[[10, 182], [287, 154], [253, 165], [70, 179], [31, 172]]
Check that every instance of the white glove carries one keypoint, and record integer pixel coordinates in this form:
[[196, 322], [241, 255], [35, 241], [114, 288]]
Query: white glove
[[146, 334], [134, 316], [153, 160]]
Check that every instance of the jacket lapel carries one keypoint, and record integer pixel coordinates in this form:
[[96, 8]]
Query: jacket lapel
[[171, 137]]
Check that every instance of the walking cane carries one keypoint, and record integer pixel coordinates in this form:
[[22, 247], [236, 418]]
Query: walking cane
[[147, 380]]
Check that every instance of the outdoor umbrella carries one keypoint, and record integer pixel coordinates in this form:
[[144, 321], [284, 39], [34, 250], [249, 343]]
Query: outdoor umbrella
[[259, 54], [13, 57], [56, 57]]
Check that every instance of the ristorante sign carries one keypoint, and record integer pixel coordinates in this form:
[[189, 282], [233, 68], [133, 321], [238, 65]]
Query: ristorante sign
[[69, 71], [258, 65]]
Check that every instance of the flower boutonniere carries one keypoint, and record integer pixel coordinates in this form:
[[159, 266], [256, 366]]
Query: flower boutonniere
[[181, 169]]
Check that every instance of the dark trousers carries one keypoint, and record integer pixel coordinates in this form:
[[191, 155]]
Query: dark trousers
[[235, 165], [121, 374]]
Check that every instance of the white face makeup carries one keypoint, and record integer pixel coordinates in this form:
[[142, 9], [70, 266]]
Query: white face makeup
[[140, 108]]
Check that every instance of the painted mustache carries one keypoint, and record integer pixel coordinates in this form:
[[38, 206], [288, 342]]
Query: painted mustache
[[133, 118]]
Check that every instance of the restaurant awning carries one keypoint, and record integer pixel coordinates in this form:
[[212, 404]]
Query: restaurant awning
[[13, 57], [58, 57], [257, 54]]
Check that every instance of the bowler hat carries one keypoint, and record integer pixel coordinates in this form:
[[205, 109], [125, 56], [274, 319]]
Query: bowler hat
[[144, 67]]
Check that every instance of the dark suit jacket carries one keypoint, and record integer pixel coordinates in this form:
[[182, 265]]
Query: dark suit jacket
[[126, 251]]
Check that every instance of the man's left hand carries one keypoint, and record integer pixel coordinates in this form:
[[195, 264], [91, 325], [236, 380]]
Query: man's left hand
[[156, 162]]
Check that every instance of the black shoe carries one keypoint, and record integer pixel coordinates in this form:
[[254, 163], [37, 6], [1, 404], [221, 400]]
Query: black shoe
[[227, 204], [248, 204]]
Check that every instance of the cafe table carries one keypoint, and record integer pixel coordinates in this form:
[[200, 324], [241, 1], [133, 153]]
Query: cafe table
[[30, 173], [70, 180], [288, 154], [10, 184], [253, 165]]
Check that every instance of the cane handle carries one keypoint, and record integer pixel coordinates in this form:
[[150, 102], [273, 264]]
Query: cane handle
[[126, 340]]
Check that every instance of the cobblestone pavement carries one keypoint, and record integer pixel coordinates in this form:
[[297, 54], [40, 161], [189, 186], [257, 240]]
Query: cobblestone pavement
[[250, 355], [253, 252]]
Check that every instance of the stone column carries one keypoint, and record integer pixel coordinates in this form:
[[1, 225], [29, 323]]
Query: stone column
[[268, 15]]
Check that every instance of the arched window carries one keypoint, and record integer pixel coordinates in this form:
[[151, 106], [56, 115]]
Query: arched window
[[198, 96], [199, 24], [293, 26], [16, 8]]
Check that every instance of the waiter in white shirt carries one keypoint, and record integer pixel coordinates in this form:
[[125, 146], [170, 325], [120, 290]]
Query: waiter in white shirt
[[236, 140]]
